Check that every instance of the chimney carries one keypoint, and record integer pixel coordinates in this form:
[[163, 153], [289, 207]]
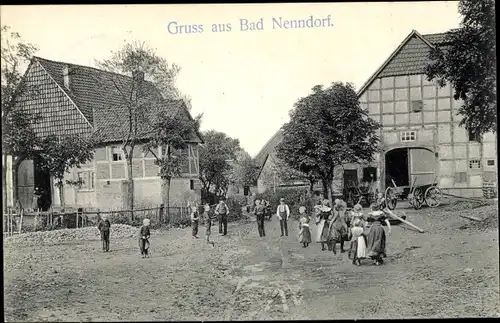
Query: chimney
[[66, 76], [138, 78]]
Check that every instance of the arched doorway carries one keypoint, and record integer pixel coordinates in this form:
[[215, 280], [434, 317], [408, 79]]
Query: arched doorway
[[405, 165]]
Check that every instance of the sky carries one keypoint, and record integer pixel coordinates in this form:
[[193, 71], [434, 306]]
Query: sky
[[244, 82]]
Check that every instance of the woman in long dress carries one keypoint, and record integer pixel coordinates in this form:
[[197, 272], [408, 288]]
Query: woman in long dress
[[376, 240], [338, 227], [323, 213]]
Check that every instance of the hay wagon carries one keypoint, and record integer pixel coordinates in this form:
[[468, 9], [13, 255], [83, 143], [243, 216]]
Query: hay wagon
[[417, 195]]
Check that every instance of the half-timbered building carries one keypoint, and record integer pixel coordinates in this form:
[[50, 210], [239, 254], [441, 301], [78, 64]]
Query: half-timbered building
[[80, 100]]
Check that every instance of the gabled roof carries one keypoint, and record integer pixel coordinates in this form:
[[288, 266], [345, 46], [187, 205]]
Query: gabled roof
[[269, 147], [412, 61], [101, 97]]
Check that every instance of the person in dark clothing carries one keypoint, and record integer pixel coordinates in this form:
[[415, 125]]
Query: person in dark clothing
[[104, 227], [259, 214], [144, 234], [222, 212]]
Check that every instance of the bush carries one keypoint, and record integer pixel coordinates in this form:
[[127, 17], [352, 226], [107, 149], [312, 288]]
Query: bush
[[295, 198], [234, 206]]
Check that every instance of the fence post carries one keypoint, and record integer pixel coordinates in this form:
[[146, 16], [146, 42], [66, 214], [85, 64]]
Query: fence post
[[21, 221]]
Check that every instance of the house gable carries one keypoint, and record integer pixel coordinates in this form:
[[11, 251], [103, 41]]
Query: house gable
[[409, 58], [269, 147], [42, 95]]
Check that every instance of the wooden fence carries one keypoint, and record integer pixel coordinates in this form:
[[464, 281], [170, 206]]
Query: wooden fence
[[21, 220]]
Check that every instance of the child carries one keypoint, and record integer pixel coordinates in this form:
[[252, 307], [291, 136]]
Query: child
[[357, 251], [104, 226], [357, 214], [305, 232], [259, 215], [194, 221], [208, 217], [144, 234]]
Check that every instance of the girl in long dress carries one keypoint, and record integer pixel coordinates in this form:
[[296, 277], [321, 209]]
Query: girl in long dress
[[338, 231], [304, 231], [323, 213], [376, 240], [357, 215], [357, 250]]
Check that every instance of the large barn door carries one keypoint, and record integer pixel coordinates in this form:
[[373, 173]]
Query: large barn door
[[422, 166]]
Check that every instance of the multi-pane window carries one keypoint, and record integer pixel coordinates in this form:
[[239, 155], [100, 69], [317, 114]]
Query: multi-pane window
[[407, 136], [87, 180], [474, 164], [116, 154]]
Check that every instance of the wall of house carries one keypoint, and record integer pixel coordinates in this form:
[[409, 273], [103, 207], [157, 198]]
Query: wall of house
[[106, 187], [395, 101]]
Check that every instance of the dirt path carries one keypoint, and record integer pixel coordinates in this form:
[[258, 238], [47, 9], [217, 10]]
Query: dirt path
[[445, 272]]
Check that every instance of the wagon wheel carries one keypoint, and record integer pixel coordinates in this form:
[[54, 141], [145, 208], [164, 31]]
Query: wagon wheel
[[391, 199], [433, 196], [417, 198]]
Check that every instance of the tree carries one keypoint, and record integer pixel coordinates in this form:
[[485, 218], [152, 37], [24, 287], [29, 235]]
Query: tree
[[172, 133], [18, 135], [467, 61], [134, 59], [215, 155], [243, 170], [59, 154], [327, 129]]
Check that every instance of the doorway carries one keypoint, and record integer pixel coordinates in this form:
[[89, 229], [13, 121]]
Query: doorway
[[42, 182], [396, 167]]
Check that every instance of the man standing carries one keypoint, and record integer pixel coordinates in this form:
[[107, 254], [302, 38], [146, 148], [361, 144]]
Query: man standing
[[259, 214], [222, 212], [283, 213]]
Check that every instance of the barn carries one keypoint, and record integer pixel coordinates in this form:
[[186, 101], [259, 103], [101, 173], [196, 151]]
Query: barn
[[421, 139]]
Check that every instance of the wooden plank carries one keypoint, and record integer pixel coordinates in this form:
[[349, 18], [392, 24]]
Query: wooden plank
[[470, 217], [403, 220]]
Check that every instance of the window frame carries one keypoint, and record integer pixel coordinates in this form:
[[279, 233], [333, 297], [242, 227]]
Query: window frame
[[408, 136], [88, 184], [112, 153]]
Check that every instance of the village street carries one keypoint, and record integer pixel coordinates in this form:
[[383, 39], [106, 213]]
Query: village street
[[448, 271]]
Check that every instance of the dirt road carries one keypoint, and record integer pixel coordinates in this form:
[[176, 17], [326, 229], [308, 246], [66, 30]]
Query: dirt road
[[448, 271]]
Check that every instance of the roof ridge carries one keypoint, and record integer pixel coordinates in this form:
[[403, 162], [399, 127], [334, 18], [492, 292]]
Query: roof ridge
[[269, 141], [85, 66]]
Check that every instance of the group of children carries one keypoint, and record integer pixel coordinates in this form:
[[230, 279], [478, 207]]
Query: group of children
[[337, 225], [334, 225]]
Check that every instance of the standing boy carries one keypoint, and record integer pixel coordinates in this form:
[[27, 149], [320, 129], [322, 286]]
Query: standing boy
[[259, 214], [144, 234], [194, 220], [222, 212], [283, 213], [104, 226]]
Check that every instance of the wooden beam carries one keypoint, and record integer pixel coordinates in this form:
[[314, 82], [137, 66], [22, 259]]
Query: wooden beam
[[403, 220], [470, 217]]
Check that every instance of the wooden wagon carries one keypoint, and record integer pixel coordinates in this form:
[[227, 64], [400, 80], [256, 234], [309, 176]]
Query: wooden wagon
[[417, 195]]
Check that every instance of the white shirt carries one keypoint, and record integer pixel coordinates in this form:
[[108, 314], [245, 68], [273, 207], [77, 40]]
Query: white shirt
[[286, 209]]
